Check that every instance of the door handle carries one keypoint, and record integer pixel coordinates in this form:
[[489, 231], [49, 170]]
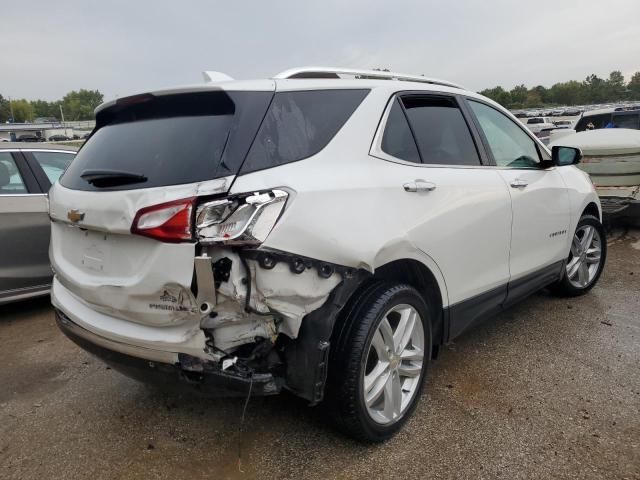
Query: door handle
[[419, 186], [517, 183]]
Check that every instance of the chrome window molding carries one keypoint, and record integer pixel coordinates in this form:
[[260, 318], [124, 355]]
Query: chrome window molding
[[9, 195], [70, 152]]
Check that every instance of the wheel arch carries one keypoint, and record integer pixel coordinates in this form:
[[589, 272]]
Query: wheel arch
[[592, 209], [415, 273]]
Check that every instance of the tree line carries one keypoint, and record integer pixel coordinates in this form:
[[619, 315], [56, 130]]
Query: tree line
[[592, 90], [76, 105]]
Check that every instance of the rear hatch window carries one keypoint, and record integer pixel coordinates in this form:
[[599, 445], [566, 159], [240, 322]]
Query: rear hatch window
[[151, 141]]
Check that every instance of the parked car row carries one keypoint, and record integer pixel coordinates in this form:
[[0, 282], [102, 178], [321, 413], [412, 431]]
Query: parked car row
[[560, 112], [54, 137], [574, 111]]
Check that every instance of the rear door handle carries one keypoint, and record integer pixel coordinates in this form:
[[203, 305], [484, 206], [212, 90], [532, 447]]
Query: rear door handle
[[517, 183], [419, 186]]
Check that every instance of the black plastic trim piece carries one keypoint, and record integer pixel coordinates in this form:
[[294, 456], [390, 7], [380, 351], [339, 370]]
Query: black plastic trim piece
[[307, 358], [525, 286], [463, 315], [28, 178]]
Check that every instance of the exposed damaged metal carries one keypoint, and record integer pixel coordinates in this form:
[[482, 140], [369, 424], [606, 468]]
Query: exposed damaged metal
[[253, 303]]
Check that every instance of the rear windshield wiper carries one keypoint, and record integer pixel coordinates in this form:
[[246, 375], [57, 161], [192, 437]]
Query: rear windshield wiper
[[111, 178]]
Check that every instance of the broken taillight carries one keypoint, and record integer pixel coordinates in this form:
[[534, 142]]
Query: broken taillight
[[245, 219], [168, 222], [241, 220]]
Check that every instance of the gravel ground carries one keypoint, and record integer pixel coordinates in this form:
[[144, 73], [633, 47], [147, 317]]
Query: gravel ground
[[548, 389]]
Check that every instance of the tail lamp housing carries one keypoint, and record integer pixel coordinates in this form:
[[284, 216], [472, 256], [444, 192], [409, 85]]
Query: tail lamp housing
[[241, 220], [168, 222], [238, 220]]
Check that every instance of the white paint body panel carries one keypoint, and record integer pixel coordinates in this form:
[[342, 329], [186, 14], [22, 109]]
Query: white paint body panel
[[540, 209]]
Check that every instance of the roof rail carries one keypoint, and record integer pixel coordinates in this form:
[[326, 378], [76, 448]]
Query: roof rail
[[332, 72]]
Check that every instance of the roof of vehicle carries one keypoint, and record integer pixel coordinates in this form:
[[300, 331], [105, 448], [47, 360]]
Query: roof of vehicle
[[309, 78], [602, 111], [36, 146]]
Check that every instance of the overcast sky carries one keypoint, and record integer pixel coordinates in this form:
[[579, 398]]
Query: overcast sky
[[121, 47]]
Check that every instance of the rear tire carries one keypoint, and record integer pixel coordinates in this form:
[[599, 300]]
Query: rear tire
[[585, 261], [379, 361]]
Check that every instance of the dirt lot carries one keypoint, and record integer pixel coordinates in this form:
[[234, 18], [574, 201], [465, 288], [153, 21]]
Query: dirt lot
[[549, 389]]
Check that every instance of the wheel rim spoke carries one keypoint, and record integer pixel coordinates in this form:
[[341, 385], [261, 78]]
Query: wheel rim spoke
[[404, 330], [587, 238], [409, 370], [414, 354], [392, 397], [575, 246], [378, 343], [573, 266], [583, 274], [387, 334], [375, 384], [593, 255]]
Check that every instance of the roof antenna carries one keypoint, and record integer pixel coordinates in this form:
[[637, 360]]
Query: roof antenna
[[211, 76]]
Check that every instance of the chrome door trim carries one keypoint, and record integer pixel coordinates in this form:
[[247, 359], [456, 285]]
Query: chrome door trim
[[17, 294]]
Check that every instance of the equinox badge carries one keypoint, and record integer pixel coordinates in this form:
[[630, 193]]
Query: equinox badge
[[75, 215]]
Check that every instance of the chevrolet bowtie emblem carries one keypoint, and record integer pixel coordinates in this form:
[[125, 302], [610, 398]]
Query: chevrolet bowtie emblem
[[75, 215]]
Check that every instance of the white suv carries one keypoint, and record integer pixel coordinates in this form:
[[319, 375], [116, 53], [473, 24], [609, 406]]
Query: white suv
[[324, 232]]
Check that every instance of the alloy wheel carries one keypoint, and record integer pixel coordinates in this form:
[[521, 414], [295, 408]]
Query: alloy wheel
[[394, 364], [585, 257]]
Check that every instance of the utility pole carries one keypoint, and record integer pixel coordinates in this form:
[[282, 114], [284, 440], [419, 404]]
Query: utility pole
[[13, 119], [61, 113]]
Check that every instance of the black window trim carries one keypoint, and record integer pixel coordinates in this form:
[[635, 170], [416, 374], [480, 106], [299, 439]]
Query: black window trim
[[543, 165], [376, 144]]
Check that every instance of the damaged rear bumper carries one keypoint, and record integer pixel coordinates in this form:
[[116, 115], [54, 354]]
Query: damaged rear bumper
[[169, 370]]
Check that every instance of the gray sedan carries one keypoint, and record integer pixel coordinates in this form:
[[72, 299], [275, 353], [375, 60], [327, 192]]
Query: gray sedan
[[27, 171]]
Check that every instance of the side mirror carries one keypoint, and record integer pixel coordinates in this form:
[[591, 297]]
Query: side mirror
[[561, 156]]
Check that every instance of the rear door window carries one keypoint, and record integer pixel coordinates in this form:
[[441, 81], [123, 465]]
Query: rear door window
[[299, 125], [11, 182], [53, 164], [170, 139], [440, 130], [397, 139]]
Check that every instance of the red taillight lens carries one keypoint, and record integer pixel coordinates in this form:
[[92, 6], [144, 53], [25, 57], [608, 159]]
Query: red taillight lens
[[168, 222]]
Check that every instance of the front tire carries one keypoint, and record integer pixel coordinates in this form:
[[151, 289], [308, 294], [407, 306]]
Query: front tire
[[378, 363], [586, 259]]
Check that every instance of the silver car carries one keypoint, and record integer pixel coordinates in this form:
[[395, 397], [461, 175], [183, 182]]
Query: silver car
[[27, 171]]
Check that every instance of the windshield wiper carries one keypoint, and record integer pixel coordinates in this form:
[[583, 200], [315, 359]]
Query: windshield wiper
[[111, 178]]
